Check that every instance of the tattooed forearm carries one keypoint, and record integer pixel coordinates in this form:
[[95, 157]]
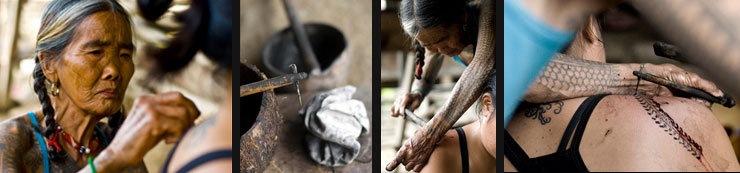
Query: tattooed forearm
[[665, 122], [431, 70], [708, 30], [537, 111], [470, 85], [567, 77]]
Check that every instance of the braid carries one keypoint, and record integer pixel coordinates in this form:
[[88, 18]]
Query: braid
[[419, 59], [40, 88], [58, 25]]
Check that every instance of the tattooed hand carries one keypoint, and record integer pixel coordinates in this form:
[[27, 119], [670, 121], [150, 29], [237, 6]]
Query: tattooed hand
[[568, 77], [406, 101], [152, 118], [415, 152], [683, 77]]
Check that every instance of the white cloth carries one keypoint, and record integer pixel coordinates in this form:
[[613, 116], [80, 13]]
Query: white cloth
[[334, 121]]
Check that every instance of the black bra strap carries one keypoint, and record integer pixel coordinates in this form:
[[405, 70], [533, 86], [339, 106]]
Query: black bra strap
[[463, 149], [515, 153], [215, 155], [586, 108], [582, 114]]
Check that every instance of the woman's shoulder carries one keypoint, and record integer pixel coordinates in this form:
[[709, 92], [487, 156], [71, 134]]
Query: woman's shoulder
[[16, 133], [17, 124], [446, 155]]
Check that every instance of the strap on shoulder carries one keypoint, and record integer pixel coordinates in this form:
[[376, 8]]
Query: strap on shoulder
[[42, 143]]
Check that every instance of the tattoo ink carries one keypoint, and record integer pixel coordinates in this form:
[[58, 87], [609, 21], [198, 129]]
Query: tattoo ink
[[570, 77], [538, 111], [664, 121]]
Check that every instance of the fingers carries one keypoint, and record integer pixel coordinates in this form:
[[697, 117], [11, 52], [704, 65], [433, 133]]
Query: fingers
[[710, 87], [176, 98], [399, 105], [167, 115], [178, 124], [410, 165], [414, 100], [703, 102], [693, 80], [400, 155], [402, 108], [418, 167], [683, 77], [393, 109], [171, 128]]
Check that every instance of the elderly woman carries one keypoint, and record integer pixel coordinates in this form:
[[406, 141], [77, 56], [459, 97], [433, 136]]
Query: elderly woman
[[444, 27], [83, 67]]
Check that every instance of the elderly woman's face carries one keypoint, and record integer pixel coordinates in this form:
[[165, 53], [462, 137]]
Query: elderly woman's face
[[97, 65], [443, 39]]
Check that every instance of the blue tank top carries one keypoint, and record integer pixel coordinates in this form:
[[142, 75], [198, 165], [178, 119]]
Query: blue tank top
[[528, 45]]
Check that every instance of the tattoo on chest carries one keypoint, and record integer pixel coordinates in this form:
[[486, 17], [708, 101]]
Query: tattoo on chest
[[538, 111], [665, 122], [198, 132]]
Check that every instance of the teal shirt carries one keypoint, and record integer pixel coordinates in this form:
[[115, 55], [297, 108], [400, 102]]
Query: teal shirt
[[528, 45]]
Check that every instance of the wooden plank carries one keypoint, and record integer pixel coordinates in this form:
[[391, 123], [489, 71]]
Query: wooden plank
[[8, 35]]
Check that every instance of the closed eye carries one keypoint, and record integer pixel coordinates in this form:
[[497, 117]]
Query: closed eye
[[95, 52], [126, 55]]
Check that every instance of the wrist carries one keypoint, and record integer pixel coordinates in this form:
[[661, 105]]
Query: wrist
[[105, 162], [418, 92]]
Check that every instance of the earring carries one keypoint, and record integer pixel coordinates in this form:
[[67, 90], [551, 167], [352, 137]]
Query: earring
[[51, 88]]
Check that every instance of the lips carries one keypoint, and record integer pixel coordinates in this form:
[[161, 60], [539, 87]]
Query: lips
[[109, 93]]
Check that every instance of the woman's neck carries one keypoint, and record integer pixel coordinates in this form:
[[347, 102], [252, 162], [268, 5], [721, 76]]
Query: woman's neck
[[480, 158], [77, 123], [225, 110], [224, 118]]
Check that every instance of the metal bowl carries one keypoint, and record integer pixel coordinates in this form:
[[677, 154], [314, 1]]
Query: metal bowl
[[259, 122], [327, 42]]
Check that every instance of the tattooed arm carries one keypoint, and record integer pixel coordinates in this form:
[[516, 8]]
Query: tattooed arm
[[15, 139], [568, 77], [431, 71], [708, 30], [416, 151], [421, 88]]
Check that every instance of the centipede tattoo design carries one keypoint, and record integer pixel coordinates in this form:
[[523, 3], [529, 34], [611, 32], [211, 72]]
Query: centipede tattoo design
[[665, 122]]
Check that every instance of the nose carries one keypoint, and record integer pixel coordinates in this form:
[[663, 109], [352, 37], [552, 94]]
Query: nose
[[111, 71]]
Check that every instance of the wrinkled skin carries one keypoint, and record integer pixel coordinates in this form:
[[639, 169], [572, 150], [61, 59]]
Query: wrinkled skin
[[416, 151], [92, 75]]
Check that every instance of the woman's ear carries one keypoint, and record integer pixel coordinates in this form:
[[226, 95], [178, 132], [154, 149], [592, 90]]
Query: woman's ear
[[47, 66], [487, 105]]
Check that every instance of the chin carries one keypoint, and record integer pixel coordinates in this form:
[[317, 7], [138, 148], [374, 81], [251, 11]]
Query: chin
[[107, 108], [454, 53]]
